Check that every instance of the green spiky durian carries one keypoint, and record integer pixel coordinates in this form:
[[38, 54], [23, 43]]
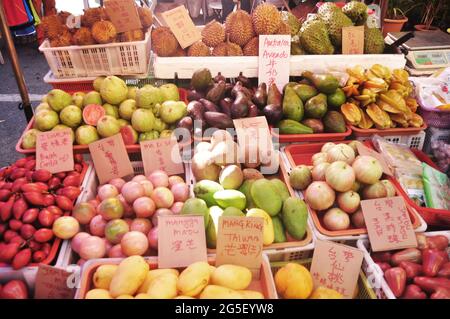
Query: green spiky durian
[[334, 22], [314, 38], [373, 41], [291, 21]]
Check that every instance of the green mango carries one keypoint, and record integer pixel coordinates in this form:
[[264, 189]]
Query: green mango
[[233, 211], [205, 190], [336, 99], [292, 105], [196, 206], [293, 127], [295, 216], [281, 188], [265, 196], [278, 229], [305, 91], [316, 107], [325, 83], [211, 235], [230, 198], [245, 189]]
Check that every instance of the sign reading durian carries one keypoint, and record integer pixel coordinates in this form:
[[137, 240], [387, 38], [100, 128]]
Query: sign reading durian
[[123, 14], [353, 40], [182, 26]]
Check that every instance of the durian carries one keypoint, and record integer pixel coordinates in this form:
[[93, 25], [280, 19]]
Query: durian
[[179, 52], [164, 42], [146, 17], [93, 15], [356, 11], [239, 27], [63, 15], [213, 34], [252, 47], [51, 26], [284, 28], [227, 49], [64, 40], [104, 32], [83, 36], [373, 41], [198, 49], [132, 35], [266, 19], [314, 38]]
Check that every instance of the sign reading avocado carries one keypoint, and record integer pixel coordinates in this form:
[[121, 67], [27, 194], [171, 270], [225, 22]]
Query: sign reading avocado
[[181, 240], [182, 26], [353, 40], [54, 151], [123, 14], [162, 154]]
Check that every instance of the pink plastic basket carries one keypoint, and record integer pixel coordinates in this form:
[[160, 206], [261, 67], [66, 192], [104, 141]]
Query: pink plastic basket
[[436, 119]]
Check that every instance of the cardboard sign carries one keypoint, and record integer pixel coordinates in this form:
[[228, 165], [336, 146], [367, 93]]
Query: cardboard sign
[[274, 59], [123, 14], [51, 283], [180, 23], [353, 40], [240, 241], [163, 154], [364, 150], [110, 158], [336, 266], [181, 240], [54, 151], [388, 224]]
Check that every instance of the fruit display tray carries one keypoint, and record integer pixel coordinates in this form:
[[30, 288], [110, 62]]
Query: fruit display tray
[[316, 137], [263, 284], [359, 132], [373, 271], [301, 155]]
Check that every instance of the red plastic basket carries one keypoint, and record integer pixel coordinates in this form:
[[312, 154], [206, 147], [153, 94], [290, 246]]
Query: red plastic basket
[[317, 137], [359, 132]]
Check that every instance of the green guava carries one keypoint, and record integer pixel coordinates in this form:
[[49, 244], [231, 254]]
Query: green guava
[[170, 92], [143, 120], [46, 120], [127, 108], [148, 96], [58, 99], [111, 110], [29, 138], [77, 99], [86, 134], [92, 97], [107, 126], [63, 127], [113, 90], [71, 116]]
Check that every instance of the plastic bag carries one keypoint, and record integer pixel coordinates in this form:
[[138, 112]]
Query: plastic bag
[[433, 93], [436, 187]]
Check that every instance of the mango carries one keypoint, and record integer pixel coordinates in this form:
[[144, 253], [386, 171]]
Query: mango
[[103, 276], [129, 276], [231, 177], [232, 276], [125, 297], [153, 274], [230, 198], [268, 232], [211, 234], [184, 297], [163, 287], [281, 188], [266, 197], [194, 278], [205, 190], [295, 217], [212, 269], [293, 281], [98, 294], [233, 211], [245, 189], [278, 230], [251, 294], [196, 206], [219, 292], [325, 293], [143, 296]]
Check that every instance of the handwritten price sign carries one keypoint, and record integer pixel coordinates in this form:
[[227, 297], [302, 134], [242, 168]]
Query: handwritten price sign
[[353, 40], [181, 241], [336, 266], [54, 151], [163, 154], [182, 26], [123, 14], [51, 283], [110, 158], [388, 224]]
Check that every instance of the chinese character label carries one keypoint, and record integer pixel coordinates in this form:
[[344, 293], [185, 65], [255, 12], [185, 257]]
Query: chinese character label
[[163, 154], [54, 151], [353, 40], [123, 14], [181, 241], [51, 283], [274, 59], [182, 26]]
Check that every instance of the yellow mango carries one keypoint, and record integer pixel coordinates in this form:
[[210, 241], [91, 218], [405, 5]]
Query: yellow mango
[[143, 296], [268, 232], [293, 281], [129, 276], [232, 276], [103, 276], [194, 278], [219, 292], [125, 297], [184, 297], [325, 293], [163, 287], [98, 294], [251, 294], [153, 274], [211, 269]]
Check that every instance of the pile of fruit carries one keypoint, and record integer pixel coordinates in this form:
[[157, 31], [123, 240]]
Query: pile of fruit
[[31, 203], [224, 189], [380, 97], [418, 273], [133, 278], [96, 28], [14, 289], [122, 220], [137, 113], [336, 183]]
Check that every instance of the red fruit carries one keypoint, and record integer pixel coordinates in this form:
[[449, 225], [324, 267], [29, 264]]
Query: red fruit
[[441, 293], [421, 241], [431, 284], [2, 183], [29, 176], [444, 271], [46, 217], [396, 279], [414, 292], [21, 162], [5, 194], [433, 260], [54, 183], [18, 184], [2, 229], [55, 210], [17, 173], [92, 113], [49, 200], [7, 185], [72, 180], [30, 215], [71, 192], [38, 256], [46, 248], [34, 198], [64, 202], [78, 158], [19, 240], [8, 252], [31, 164], [60, 175], [78, 167], [15, 224], [384, 266], [15, 289], [410, 254], [439, 242], [42, 186], [41, 175], [19, 208], [32, 187], [43, 235], [6, 209], [9, 234], [22, 259], [27, 231], [412, 269], [34, 245]]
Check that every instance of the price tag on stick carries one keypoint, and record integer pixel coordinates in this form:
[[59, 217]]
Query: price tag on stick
[[353, 40], [182, 26], [181, 240], [52, 283], [388, 223], [110, 158], [54, 151], [123, 14], [336, 266], [163, 154]]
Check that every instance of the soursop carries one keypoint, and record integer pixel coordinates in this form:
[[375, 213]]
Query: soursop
[[334, 22], [291, 21], [356, 11], [314, 38], [328, 7], [373, 41]]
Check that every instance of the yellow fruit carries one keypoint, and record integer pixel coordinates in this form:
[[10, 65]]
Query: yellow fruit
[[211, 269], [198, 49], [125, 297], [218, 292], [232, 276], [268, 231], [143, 296], [184, 297], [163, 287], [325, 293], [129, 276], [98, 294], [164, 42], [293, 281], [153, 274], [103, 276], [266, 19], [213, 33], [238, 26], [104, 32], [251, 294], [194, 278]]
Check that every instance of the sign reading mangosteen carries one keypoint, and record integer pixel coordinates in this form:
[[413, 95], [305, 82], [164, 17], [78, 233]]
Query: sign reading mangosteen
[[353, 40], [364, 150], [181, 240], [123, 14], [388, 223], [182, 26], [162, 154], [51, 283], [336, 266], [54, 151], [240, 241], [110, 158], [274, 60]]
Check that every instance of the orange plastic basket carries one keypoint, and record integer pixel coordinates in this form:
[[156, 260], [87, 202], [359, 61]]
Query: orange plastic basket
[[359, 132], [317, 137]]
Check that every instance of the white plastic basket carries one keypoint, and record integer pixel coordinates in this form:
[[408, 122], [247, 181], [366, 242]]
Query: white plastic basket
[[375, 274], [124, 58], [413, 141]]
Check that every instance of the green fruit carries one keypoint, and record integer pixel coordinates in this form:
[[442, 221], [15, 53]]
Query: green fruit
[[64, 127], [127, 108], [92, 97], [231, 177], [293, 127], [111, 110], [205, 189], [373, 41], [41, 107], [170, 92], [107, 126], [314, 37], [148, 96], [196, 206], [334, 22], [325, 83], [172, 111], [46, 120], [292, 21], [281, 187], [71, 116], [148, 136], [356, 11], [58, 99], [211, 235], [334, 122], [98, 83], [113, 90], [143, 120], [166, 133], [295, 217], [159, 125], [300, 177], [132, 92], [245, 189], [278, 230], [29, 138], [305, 91], [336, 99], [266, 197], [233, 211], [86, 134], [316, 107], [230, 198], [123, 122], [77, 99], [201, 79], [292, 105]]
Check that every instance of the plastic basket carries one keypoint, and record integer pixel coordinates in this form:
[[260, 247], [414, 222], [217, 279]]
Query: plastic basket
[[435, 134], [126, 58], [70, 86], [318, 137], [436, 119], [263, 284], [374, 272], [364, 289], [412, 141]]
